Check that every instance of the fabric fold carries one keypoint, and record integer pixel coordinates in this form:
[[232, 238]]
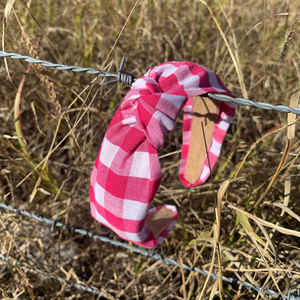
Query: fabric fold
[[127, 172]]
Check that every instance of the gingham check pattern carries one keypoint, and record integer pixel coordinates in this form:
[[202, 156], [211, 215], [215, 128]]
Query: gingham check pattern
[[127, 172]]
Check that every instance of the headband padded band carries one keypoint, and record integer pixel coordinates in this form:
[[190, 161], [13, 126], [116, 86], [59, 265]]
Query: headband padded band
[[127, 172]]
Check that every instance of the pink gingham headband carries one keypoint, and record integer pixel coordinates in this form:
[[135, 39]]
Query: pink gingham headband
[[127, 172]]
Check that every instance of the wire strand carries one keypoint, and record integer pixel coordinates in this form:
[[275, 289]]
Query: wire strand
[[152, 255], [122, 76], [128, 78]]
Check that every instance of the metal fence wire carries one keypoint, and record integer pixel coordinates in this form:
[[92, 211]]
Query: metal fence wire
[[155, 256], [129, 78]]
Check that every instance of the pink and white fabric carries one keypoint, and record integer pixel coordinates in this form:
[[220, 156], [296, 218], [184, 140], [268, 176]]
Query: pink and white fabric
[[127, 172]]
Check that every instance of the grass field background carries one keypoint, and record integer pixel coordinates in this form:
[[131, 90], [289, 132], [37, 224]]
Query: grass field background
[[57, 120]]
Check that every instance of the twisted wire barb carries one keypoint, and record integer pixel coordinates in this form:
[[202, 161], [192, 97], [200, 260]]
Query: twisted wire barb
[[152, 255], [122, 76], [129, 79], [76, 285]]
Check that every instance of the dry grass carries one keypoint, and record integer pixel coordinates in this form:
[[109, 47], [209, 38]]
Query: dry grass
[[63, 117]]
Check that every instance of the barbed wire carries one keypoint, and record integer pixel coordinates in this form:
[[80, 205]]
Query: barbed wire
[[122, 76], [129, 78], [155, 256]]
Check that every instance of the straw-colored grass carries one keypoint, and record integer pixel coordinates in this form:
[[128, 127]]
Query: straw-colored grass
[[53, 122]]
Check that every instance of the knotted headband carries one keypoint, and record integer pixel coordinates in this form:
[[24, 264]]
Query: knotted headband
[[127, 172]]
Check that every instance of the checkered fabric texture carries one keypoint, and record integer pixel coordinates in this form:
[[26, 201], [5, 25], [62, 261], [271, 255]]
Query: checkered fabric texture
[[127, 172]]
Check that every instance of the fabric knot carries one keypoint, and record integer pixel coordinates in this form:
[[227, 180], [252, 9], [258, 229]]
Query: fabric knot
[[163, 91], [127, 173]]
